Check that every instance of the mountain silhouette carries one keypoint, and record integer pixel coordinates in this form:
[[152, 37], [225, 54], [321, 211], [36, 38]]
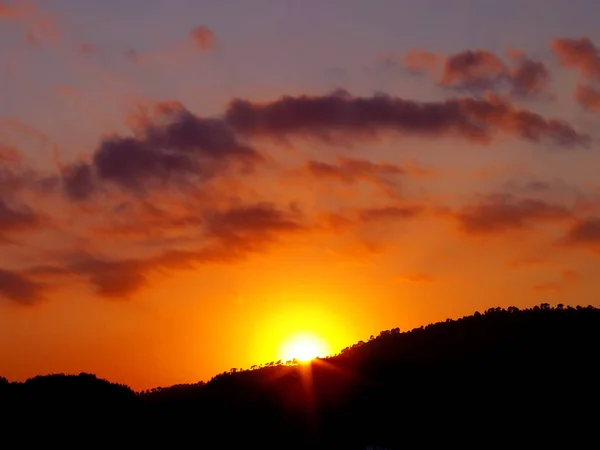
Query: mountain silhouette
[[503, 377]]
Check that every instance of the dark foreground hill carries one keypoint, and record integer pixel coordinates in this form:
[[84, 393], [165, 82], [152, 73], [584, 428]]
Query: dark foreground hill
[[506, 377]]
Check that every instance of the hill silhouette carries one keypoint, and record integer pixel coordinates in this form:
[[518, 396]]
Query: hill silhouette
[[505, 376]]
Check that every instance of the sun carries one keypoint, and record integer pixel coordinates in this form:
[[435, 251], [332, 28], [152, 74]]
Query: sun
[[303, 348]]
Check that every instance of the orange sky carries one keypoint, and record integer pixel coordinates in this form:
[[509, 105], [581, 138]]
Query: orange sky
[[176, 201]]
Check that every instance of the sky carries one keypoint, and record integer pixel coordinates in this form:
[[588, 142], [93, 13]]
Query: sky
[[185, 186]]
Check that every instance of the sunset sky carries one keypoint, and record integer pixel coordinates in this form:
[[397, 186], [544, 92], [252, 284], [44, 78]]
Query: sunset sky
[[185, 185]]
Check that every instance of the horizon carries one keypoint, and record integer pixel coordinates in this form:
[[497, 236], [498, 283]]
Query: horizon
[[189, 188], [314, 360]]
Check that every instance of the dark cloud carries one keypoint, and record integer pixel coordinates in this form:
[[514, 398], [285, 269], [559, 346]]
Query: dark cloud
[[499, 213], [477, 71], [19, 289], [330, 116], [580, 54], [245, 227], [528, 77], [78, 181], [481, 70], [132, 163], [171, 147], [585, 232], [16, 218], [588, 97], [110, 278]]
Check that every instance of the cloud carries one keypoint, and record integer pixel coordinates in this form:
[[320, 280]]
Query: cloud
[[350, 170], [41, 26], [528, 77], [341, 115], [390, 213], [585, 232], [16, 11], [421, 61], [112, 278], [14, 218], [9, 156], [203, 38], [588, 97], [473, 69], [78, 181], [568, 278], [169, 147], [580, 54], [19, 289], [228, 235], [10, 124], [479, 70], [500, 213], [244, 227]]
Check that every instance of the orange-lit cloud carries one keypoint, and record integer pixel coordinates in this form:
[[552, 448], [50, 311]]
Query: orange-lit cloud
[[41, 26], [580, 54], [421, 61], [588, 97], [17, 10], [227, 235], [203, 38]]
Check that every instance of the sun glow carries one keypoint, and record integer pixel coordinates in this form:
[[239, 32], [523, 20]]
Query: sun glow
[[303, 348]]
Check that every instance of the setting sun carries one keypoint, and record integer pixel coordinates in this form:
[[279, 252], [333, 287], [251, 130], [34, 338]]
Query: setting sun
[[303, 348]]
